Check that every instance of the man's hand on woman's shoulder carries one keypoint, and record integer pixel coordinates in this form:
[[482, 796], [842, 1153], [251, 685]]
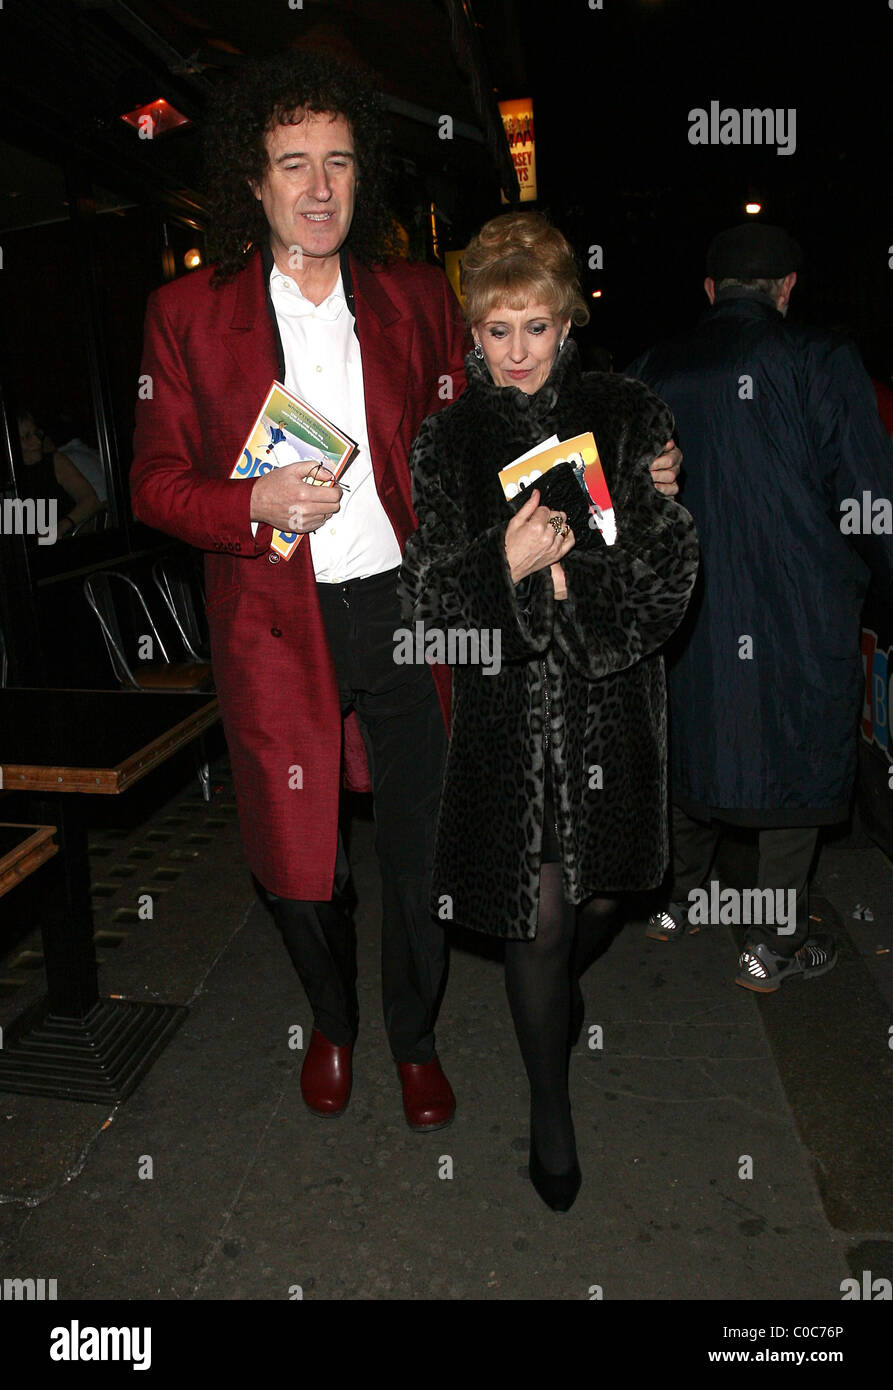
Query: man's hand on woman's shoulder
[[665, 469]]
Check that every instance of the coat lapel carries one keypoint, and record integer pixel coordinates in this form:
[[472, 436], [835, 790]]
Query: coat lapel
[[252, 339], [386, 338]]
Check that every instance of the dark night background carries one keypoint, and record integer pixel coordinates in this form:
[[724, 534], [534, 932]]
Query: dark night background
[[612, 90]]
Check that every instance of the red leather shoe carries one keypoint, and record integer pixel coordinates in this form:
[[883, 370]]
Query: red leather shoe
[[326, 1076], [428, 1100]]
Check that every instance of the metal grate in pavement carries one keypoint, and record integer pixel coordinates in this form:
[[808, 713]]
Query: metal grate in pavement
[[174, 838], [110, 939]]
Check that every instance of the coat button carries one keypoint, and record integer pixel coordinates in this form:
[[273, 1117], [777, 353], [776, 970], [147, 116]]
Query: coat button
[[275, 631], [274, 558]]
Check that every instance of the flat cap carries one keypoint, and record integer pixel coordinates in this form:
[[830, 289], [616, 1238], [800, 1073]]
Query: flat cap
[[752, 251]]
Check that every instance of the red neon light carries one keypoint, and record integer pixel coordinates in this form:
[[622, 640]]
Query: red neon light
[[155, 118]]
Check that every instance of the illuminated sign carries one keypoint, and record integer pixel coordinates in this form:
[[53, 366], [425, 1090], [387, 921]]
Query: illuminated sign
[[517, 118], [155, 118]]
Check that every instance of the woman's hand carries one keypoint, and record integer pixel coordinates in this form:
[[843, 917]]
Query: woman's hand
[[531, 544]]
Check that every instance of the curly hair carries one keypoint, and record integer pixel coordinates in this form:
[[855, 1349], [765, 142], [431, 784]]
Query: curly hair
[[519, 259], [280, 91]]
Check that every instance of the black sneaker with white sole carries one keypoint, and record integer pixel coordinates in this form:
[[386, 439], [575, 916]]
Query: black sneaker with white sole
[[764, 970]]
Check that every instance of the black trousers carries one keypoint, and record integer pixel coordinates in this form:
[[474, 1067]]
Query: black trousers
[[403, 731], [785, 858]]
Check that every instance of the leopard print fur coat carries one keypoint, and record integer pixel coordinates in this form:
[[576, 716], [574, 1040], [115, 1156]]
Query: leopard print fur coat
[[594, 656]]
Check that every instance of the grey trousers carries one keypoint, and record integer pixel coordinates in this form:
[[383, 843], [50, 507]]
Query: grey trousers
[[785, 859]]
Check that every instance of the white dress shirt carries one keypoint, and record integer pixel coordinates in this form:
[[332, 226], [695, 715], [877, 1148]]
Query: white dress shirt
[[323, 367]]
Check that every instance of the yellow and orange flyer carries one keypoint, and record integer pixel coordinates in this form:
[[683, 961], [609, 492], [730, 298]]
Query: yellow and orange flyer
[[581, 453], [288, 430]]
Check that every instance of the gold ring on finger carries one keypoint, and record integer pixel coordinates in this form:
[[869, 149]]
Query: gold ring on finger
[[556, 523]]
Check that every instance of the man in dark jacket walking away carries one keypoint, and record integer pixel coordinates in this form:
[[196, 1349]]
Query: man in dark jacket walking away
[[786, 461]]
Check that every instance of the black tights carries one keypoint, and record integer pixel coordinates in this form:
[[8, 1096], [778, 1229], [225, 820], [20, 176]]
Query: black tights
[[541, 981]]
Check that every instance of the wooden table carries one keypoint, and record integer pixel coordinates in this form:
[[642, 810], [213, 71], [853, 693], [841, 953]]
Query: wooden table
[[23, 848], [53, 743]]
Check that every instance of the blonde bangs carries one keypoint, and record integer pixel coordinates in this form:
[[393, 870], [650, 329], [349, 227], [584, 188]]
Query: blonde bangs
[[513, 283]]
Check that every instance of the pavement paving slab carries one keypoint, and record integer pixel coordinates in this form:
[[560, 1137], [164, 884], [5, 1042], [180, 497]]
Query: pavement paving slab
[[705, 1177]]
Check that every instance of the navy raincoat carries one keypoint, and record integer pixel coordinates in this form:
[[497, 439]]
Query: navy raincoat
[[779, 427]]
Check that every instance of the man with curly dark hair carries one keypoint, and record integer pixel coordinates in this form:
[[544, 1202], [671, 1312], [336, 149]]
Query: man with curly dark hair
[[305, 291], [236, 156]]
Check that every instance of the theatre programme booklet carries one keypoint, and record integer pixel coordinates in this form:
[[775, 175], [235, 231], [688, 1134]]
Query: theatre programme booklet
[[581, 452], [288, 430]]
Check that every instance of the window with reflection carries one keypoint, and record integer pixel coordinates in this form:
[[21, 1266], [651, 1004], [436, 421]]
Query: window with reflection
[[136, 248]]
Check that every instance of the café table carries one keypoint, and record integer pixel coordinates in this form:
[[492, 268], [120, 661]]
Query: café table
[[23, 848], [61, 746]]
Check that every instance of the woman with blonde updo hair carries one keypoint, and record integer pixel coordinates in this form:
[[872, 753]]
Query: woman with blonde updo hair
[[521, 258], [554, 796]]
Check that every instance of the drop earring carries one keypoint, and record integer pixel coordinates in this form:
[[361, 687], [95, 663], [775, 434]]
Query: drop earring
[[478, 351]]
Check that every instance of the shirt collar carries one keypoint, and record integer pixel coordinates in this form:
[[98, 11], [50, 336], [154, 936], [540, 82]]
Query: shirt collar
[[292, 302]]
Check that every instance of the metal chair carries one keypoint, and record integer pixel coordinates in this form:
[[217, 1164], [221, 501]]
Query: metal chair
[[177, 583], [97, 522], [146, 675]]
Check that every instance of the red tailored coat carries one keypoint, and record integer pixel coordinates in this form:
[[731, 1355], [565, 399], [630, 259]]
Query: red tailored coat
[[210, 356]]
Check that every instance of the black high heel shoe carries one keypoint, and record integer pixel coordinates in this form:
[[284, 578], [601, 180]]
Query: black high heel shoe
[[558, 1190]]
